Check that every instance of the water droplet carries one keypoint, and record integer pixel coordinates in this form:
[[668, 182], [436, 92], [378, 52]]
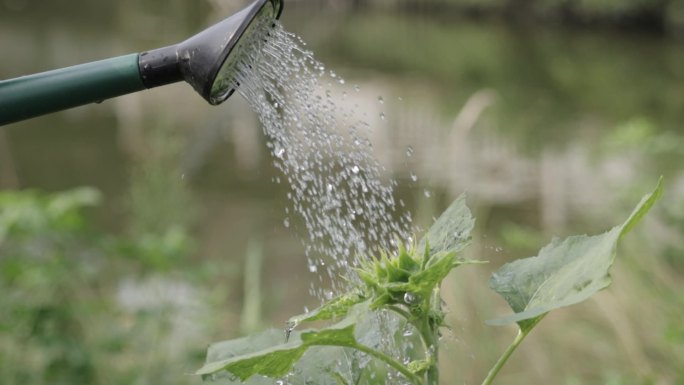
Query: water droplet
[[381, 100], [408, 331], [355, 169], [427, 193], [409, 151], [313, 268], [357, 88], [286, 222], [289, 326], [414, 177], [341, 81], [411, 298], [382, 115]]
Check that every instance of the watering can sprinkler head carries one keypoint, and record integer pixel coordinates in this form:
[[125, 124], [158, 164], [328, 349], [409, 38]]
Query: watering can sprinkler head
[[207, 60]]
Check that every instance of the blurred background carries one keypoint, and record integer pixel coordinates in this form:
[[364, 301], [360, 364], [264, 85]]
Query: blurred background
[[136, 231]]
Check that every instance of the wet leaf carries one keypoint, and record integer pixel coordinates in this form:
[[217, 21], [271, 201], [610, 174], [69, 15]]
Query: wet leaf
[[451, 231], [272, 362], [226, 349], [424, 281], [419, 366], [566, 272], [247, 357], [336, 308]]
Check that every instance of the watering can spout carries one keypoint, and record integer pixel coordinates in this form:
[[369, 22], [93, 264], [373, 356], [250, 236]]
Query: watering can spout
[[206, 61]]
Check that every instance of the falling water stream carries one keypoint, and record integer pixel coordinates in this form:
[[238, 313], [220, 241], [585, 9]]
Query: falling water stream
[[322, 149], [336, 186]]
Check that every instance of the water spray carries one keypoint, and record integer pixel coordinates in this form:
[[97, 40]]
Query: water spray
[[206, 61]]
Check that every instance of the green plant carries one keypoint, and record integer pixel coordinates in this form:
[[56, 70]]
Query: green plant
[[404, 288], [70, 295]]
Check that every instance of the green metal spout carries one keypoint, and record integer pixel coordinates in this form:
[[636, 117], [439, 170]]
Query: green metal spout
[[206, 61]]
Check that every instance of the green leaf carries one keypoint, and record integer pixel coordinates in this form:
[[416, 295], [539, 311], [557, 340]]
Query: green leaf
[[336, 308], [642, 208], [424, 281], [406, 261], [565, 272], [226, 349], [451, 231], [419, 366], [334, 336], [251, 356], [272, 362]]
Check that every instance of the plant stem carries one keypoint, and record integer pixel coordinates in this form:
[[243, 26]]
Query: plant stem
[[429, 334], [432, 354], [504, 357], [391, 362], [401, 312]]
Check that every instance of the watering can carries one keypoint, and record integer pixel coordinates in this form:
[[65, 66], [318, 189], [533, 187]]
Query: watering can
[[206, 61]]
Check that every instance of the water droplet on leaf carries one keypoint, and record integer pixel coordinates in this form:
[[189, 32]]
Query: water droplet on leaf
[[411, 298]]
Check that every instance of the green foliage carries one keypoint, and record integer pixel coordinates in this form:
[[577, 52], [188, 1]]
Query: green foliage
[[407, 283], [61, 322], [565, 272], [24, 213], [40, 262], [451, 232], [335, 308], [276, 361]]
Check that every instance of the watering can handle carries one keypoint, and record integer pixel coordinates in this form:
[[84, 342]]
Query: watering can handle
[[33, 95]]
